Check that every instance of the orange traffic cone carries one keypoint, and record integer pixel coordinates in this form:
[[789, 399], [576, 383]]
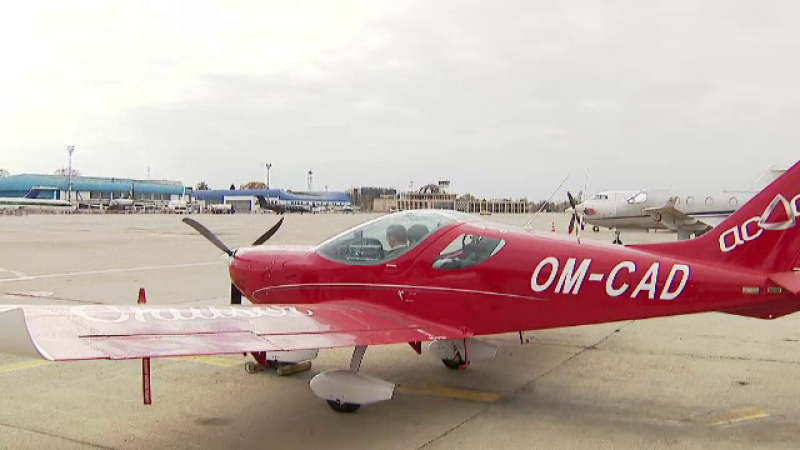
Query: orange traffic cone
[[553, 227], [142, 297]]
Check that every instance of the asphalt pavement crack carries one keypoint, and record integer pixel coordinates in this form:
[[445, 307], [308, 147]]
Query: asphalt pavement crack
[[63, 438]]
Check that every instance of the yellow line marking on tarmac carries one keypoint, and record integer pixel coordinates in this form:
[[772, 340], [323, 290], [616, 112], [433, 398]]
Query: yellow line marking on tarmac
[[23, 365], [736, 415], [211, 360], [440, 391]]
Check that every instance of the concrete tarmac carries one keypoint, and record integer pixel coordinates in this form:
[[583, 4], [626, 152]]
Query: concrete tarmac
[[701, 381]]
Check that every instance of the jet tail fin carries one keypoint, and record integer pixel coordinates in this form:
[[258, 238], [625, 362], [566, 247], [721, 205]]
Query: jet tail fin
[[762, 235]]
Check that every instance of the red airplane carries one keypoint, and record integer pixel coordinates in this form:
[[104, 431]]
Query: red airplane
[[437, 276]]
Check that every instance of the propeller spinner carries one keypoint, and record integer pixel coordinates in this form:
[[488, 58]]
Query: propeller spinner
[[236, 294]]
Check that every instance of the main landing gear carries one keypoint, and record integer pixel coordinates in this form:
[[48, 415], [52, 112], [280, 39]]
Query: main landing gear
[[457, 363], [457, 354], [346, 390], [284, 363]]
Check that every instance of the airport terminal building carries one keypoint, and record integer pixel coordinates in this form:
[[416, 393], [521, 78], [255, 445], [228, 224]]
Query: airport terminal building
[[245, 200], [94, 191], [436, 196]]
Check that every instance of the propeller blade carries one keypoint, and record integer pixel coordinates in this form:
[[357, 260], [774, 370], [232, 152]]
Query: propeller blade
[[208, 235], [265, 237], [571, 200], [571, 223], [236, 295]]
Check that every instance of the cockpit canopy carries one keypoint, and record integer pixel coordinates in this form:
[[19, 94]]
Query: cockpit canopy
[[387, 237], [640, 197]]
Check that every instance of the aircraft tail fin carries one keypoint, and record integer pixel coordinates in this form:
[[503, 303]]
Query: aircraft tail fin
[[762, 235]]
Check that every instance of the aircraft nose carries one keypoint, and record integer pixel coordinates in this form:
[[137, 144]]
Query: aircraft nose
[[251, 269]]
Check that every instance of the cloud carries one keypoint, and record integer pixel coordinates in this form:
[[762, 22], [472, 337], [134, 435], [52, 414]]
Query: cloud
[[503, 100]]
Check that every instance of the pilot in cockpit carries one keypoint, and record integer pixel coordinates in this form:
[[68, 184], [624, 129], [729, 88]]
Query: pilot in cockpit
[[416, 233], [397, 238]]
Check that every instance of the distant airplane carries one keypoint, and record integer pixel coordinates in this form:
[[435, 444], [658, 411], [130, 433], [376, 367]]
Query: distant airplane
[[121, 204], [31, 202], [687, 213], [280, 208]]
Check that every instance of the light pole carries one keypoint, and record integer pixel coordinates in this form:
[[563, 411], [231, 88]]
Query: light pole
[[70, 149], [268, 166]]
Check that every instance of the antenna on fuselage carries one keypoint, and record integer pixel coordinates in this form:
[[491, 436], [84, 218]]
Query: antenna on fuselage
[[527, 225]]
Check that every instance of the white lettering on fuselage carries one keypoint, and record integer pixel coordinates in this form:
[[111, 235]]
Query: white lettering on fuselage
[[570, 279], [553, 263], [612, 276], [755, 226], [116, 314], [569, 282]]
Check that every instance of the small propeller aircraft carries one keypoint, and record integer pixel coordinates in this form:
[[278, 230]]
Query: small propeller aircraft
[[435, 276]]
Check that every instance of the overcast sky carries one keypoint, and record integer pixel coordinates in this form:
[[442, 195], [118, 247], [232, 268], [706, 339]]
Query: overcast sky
[[503, 98]]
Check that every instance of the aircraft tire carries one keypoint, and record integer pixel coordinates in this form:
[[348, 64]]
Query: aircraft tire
[[453, 364], [250, 367], [343, 407], [596, 229]]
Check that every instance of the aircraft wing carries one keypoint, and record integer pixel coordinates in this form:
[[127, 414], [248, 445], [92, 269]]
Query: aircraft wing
[[62, 333], [674, 219], [712, 221]]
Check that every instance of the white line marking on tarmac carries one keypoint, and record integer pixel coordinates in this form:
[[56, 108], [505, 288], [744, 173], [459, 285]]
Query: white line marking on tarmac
[[100, 272], [14, 273]]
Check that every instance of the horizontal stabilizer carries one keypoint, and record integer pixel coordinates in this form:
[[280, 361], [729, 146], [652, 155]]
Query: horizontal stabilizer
[[770, 311], [787, 280]]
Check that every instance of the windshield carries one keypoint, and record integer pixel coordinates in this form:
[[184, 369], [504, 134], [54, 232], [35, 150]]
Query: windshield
[[641, 197], [387, 237]]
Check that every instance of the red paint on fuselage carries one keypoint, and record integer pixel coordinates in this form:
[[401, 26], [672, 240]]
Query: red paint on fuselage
[[496, 295]]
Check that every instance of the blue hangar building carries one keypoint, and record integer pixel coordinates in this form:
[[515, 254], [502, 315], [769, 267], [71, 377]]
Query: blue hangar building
[[93, 190], [245, 199]]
